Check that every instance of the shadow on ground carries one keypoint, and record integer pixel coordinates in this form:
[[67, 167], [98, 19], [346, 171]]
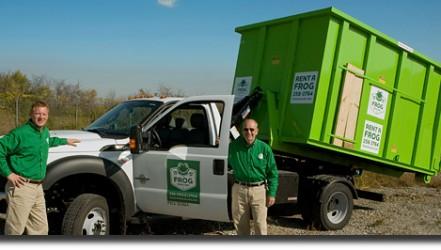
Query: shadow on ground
[[181, 227], [176, 226]]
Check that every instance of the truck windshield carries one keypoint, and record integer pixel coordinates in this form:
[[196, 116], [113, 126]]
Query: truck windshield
[[116, 123]]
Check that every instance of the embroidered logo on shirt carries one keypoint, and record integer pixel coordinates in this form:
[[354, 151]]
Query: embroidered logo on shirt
[[260, 156]]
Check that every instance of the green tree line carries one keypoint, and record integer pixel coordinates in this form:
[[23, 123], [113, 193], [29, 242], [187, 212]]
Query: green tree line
[[71, 107]]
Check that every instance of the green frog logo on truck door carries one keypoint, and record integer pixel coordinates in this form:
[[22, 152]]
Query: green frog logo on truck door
[[183, 181], [183, 177]]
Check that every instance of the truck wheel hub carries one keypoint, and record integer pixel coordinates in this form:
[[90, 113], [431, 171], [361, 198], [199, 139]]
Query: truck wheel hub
[[95, 222], [337, 207]]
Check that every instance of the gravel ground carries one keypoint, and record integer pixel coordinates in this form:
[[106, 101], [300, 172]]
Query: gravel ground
[[406, 211]]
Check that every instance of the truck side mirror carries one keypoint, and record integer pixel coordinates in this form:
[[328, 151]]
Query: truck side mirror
[[135, 139]]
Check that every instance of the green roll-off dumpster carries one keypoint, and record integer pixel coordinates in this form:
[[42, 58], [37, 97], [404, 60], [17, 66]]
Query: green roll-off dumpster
[[339, 92]]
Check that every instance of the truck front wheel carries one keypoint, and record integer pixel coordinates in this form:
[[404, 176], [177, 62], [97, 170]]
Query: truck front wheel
[[334, 209], [88, 214]]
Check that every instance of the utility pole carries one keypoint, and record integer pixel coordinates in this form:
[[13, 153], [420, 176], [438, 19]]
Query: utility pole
[[76, 116], [17, 113], [17, 107], [77, 103]]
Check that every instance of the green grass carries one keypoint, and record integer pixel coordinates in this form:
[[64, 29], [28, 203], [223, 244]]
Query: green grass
[[373, 180]]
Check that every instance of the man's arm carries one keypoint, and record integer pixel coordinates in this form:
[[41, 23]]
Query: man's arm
[[272, 177], [56, 141], [72, 141], [8, 143]]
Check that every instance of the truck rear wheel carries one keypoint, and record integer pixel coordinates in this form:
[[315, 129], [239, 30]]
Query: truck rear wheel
[[334, 209], [88, 214]]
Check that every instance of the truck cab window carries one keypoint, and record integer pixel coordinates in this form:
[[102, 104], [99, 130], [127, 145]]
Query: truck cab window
[[199, 133], [192, 124], [164, 130]]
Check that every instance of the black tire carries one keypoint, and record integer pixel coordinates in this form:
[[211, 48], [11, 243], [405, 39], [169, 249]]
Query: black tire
[[88, 214], [335, 210]]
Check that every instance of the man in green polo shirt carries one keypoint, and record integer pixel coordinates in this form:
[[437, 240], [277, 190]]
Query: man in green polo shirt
[[255, 180], [23, 157]]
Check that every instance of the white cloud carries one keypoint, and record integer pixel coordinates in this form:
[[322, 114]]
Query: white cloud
[[167, 3]]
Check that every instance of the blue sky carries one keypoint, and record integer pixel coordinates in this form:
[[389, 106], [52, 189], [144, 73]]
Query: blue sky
[[187, 45]]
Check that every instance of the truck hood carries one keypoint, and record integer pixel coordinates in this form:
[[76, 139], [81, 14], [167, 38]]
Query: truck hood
[[78, 134], [90, 142]]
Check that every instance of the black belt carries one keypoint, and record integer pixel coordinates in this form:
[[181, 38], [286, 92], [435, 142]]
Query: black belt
[[250, 184], [34, 182]]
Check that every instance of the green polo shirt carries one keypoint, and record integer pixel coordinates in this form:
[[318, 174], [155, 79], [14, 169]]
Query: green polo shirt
[[253, 163], [24, 151]]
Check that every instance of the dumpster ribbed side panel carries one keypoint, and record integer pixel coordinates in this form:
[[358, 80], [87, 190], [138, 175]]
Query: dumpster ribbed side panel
[[426, 140], [297, 115], [335, 87]]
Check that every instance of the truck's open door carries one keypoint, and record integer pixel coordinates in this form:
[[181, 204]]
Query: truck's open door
[[183, 169]]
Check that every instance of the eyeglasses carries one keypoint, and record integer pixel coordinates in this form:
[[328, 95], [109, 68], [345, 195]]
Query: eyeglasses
[[40, 114], [249, 129]]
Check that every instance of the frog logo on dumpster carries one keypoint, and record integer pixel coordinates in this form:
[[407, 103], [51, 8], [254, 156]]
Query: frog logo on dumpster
[[379, 97], [183, 181], [243, 84], [378, 102], [242, 87]]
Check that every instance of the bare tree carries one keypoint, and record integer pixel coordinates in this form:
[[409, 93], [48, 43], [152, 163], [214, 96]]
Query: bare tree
[[168, 91], [66, 100], [142, 94], [14, 87]]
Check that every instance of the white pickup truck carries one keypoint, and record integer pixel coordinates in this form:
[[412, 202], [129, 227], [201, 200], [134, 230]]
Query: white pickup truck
[[189, 177], [176, 165]]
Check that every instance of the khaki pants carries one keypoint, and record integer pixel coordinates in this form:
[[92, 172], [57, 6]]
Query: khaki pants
[[26, 210], [247, 201]]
